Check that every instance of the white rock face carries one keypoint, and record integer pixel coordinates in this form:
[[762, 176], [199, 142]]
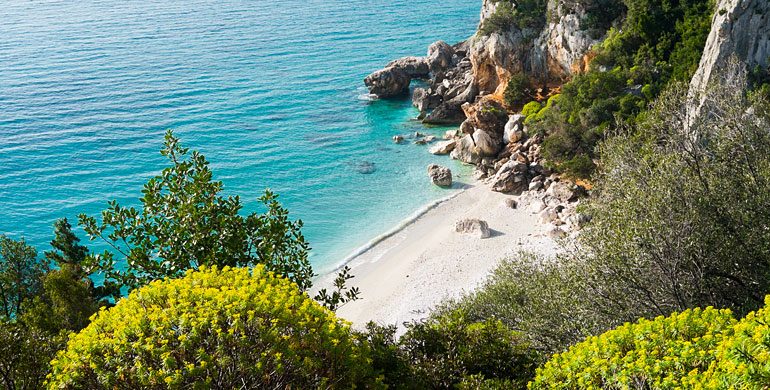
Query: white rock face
[[474, 227], [740, 28], [560, 49]]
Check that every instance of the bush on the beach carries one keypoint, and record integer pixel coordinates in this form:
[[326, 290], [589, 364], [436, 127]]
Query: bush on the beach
[[214, 328], [668, 352]]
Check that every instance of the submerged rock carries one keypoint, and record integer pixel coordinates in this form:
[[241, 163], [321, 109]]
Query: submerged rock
[[364, 167], [440, 176], [473, 226]]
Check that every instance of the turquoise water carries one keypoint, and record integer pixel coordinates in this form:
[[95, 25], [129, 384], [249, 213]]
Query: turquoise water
[[271, 93]]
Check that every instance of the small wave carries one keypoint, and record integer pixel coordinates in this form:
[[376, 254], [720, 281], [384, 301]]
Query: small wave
[[395, 230], [368, 97]]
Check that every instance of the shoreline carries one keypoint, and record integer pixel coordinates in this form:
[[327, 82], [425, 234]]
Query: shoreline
[[408, 270]]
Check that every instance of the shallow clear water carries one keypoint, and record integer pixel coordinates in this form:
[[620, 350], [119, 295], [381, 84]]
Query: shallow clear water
[[271, 93]]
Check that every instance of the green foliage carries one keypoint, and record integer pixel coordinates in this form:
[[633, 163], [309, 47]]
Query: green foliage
[[21, 273], [448, 350], [684, 206], [531, 108], [668, 352], [678, 221], [445, 349], [24, 354], [518, 90], [185, 223], [215, 328], [538, 297], [522, 14], [659, 42]]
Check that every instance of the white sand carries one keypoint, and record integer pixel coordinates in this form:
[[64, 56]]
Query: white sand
[[405, 275]]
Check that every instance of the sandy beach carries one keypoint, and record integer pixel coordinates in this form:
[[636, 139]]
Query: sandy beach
[[405, 275]]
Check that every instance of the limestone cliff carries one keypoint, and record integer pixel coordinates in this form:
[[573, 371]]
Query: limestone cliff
[[739, 29], [549, 55]]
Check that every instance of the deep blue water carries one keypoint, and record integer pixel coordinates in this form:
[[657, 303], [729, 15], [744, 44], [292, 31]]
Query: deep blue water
[[270, 91]]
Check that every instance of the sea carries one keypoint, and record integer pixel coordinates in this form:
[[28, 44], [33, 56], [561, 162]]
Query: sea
[[271, 92]]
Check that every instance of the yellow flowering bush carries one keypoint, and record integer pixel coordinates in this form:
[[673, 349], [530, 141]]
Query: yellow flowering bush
[[214, 328], [743, 361], [664, 353]]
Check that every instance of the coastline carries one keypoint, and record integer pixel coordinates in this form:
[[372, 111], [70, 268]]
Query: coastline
[[407, 271]]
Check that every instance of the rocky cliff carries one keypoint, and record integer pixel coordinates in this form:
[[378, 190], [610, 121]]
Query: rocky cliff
[[548, 53], [740, 29]]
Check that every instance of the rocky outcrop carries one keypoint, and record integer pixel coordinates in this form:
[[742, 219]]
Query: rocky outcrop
[[394, 79], [562, 48], [388, 83], [440, 176], [474, 227], [548, 56], [740, 29]]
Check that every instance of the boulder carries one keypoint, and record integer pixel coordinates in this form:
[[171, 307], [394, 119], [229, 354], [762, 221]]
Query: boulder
[[414, 67], [424, 100], [440, 57], [473, 226], [556, 232], [514, 129], [447, 113], [511, 178], [444, 147], [465, 151], [485, 144], [440, 176], [565, 191], [398, 139], [388, 83]]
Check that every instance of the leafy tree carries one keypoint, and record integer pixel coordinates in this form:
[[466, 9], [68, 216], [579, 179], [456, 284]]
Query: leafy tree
[[21, 273], [215, 328], [185, 223]]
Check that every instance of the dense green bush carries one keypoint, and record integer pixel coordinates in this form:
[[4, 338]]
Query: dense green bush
[[518, 91], [531, 108], [448, 350], [445, 349], [228, 328], [668, 352]]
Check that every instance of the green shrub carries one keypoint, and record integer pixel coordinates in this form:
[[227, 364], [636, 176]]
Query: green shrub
[[518, 90], [667, 352], [445, 349], [228, 328], [448, 350], [531, 108]]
